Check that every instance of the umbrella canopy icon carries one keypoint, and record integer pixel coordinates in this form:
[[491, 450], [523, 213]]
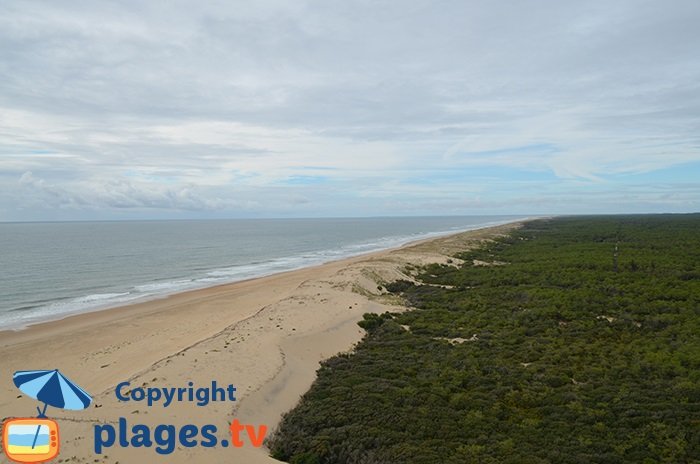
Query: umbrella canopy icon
[[51, 388]]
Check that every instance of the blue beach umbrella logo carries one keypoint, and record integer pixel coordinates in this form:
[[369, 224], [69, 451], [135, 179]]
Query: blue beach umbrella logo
[[33, 440], [53, 389]]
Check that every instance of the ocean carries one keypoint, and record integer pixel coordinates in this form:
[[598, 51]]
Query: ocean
[[52, 270]]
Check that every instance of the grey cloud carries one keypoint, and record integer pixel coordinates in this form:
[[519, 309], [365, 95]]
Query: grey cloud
[[120, 90], [115, 193]]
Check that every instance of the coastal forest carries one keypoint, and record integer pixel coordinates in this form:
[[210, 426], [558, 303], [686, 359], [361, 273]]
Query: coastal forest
[[570, 340]]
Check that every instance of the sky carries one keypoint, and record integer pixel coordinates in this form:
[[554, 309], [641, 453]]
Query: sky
[[226, 109]]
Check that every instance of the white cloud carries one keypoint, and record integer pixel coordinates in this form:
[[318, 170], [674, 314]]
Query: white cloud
[[227, 105]]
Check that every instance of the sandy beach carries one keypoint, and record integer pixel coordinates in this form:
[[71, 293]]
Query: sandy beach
[[265, 336]]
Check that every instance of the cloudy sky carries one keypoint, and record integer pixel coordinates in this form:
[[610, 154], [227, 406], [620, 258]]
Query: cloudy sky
[[191, 109]]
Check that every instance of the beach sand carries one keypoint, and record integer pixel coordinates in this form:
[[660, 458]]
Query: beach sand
[[265, 336]]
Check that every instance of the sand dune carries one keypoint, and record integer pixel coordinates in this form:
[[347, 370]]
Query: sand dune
[[265, 336]]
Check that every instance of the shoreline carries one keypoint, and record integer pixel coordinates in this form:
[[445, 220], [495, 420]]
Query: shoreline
[[265, 335], [4, 330]]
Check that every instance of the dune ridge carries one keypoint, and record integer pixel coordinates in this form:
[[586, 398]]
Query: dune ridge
[[266, 336]]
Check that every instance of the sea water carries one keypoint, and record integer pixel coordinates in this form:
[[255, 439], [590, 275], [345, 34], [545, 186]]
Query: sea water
[[51, 270]]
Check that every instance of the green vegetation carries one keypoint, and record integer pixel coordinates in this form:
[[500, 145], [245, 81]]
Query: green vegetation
[[581, 346]]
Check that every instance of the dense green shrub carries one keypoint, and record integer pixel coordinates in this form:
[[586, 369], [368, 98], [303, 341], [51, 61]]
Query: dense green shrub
[[584, 347]]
